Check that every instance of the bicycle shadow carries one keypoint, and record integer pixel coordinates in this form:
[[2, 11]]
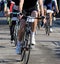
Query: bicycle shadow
[[7, 61], [4, 38], [56, 23], [2, 46], [55, 48]]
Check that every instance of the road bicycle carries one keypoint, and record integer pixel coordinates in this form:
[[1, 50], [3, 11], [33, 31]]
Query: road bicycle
[[15, 25], [47, 25], [27, 45]]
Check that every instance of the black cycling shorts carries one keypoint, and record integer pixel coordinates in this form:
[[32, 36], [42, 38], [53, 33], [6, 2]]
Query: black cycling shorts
[[28, 11]]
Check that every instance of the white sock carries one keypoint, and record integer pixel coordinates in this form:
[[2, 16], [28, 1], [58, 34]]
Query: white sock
[[33, 34]]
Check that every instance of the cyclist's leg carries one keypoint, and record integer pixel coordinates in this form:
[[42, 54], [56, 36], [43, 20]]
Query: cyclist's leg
[[34, 25], [45, 11], [51, 22], [21, 30], [50, 14], [50, 19], [10, 23], [44, 20], [20, 36]]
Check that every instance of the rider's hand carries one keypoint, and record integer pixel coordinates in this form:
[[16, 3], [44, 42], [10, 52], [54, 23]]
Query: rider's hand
[[6, 13], [57, 11], [20, 16]]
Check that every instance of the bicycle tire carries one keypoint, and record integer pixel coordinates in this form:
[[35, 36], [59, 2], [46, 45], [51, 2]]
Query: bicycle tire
[[38, 25], [15, 35], [48, 33], [47, 27], [26, 50], [27, 53]]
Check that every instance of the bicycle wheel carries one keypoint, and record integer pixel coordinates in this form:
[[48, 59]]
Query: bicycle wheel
[[48, 29], [48, 24], [48, 33], [15, 34], [26, 50], [39, 25]]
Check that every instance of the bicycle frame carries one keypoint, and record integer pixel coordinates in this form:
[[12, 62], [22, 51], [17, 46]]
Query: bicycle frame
[[26, 47]]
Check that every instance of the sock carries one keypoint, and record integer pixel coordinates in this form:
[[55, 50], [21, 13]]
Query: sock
[[33, 34]]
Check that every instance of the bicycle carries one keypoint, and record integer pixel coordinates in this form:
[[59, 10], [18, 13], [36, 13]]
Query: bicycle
[[15, 25], [47, 25], [40, 23], [26, 45]]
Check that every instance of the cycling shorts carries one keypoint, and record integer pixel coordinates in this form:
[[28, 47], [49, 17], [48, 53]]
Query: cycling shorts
[[28, 11], [49, 6]]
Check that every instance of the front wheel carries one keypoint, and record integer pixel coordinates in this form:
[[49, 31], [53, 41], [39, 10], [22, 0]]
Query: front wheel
[[16, 34], [26, 50], [47, 28]]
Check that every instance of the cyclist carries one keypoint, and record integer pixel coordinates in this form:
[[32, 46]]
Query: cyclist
[[48, 4], [55, 8], [9, 8], [26, 7], [7, 14]]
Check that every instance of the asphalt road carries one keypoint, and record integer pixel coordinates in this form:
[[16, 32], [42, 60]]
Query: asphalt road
[[46, 50]]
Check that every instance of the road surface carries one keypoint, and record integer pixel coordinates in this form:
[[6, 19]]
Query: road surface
[[46, 50]]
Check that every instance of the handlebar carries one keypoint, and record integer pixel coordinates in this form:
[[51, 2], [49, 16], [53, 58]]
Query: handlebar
[[30, 17], [12, 14]]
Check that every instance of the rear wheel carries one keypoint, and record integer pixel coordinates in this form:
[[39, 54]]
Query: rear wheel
[[47, 28]]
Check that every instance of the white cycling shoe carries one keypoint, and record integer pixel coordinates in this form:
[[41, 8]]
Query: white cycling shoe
[[33, 40], [51, 30], [12, 41]]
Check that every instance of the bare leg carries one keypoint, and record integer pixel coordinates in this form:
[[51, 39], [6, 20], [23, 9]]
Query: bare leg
[[34, 25], [20, 36], [34, 14], [21, 30], [50, 19]]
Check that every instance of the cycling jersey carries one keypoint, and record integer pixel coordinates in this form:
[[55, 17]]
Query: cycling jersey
[[29, 4], [16, 2], [48, 4], [8, 4]]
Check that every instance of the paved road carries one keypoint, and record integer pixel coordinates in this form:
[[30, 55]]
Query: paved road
[[44, 51]]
